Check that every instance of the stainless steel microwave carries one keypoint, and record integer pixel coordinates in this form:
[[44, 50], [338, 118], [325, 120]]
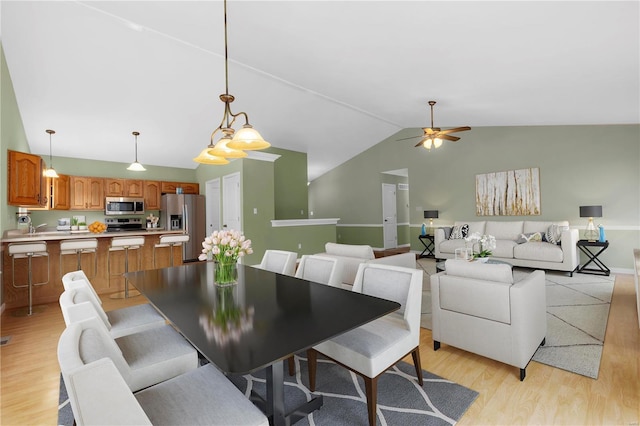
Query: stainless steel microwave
[[123, 205]]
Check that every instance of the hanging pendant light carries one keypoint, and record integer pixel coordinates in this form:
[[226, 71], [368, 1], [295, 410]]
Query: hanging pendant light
[[232, 144], [50, 172], [136, 166]]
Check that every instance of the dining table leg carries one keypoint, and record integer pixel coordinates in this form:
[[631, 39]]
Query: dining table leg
[[275, 395]]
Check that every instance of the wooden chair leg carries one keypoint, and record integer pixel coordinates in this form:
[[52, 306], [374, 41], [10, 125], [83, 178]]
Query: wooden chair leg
[[416, 361], [371, 387], [312, 360], [292, 366]]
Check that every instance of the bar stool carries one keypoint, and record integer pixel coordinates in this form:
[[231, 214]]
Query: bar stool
[[125, 244], [28, 251], [169, 240], [79, 247]]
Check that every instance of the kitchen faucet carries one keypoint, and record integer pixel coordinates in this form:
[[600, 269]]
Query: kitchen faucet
[[33, 230]]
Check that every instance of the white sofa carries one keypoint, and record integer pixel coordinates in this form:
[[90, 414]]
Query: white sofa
[[351, 256], [479, 308], [539, 255]]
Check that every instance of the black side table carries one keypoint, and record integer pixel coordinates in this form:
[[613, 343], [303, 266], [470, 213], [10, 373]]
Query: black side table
[[429, 246], [592, 254]]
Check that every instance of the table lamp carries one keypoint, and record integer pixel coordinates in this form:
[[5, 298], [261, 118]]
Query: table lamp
[[591, 234], [431, 214]]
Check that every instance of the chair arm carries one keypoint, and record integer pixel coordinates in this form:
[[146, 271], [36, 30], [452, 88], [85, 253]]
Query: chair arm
[[438, 237], [528, 314], [99, 395]]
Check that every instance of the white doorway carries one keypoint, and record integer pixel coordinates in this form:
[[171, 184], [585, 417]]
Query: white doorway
[[389, 216], [214, 215], [231, 202]]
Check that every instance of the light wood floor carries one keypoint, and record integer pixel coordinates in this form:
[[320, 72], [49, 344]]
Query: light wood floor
[[30, 374]]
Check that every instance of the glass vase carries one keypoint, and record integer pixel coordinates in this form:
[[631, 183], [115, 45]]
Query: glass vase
[[226, 274]]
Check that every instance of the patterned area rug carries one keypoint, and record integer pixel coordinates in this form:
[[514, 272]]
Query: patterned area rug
[[577, 314], [401, 401]]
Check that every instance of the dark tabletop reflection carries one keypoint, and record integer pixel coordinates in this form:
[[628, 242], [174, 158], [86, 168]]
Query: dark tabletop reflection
[[264, 318]]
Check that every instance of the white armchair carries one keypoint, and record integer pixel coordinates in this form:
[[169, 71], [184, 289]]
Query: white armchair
[[479, 308], [279, 261], [78, 303], [371, 349], [143, 359], [99, 395]]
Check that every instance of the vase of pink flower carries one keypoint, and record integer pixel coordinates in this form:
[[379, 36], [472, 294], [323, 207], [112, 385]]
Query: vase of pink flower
[[225, 248]]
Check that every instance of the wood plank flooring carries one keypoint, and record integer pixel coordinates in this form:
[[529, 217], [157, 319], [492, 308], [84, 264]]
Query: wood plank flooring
[[30, 374]]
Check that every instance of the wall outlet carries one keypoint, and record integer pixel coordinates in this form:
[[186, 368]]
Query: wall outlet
[[255, 210], [299, 245], [301, 212]]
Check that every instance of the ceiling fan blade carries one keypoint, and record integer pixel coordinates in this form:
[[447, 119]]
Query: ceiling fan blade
[[448, 137], [430, 130], [419, 143], [412, 137], [457, 129]]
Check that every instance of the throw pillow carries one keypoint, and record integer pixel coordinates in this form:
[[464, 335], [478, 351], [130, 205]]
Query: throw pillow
[[553, 234], [459, 231], [447, 232], [531, 237]]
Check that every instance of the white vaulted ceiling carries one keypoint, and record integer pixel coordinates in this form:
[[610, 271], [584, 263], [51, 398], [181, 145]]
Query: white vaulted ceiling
[[329, 78]]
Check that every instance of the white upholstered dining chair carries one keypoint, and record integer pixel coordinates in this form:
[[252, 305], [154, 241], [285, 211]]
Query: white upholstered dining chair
[[279, 261], [320, 269], [371, 349]]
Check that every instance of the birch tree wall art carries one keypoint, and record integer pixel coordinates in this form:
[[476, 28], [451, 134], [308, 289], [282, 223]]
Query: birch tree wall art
[[510, 193]]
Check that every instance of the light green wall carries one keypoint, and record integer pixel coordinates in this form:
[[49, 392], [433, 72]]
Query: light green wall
[[290, 178], [579, 165], [302, 239], [258, 193]]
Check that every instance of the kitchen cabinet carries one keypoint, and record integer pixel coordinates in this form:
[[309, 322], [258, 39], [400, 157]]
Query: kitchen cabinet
[[27, 186], [187, 187], [152, 194], [59, 194], [87, 193], [114, 187]]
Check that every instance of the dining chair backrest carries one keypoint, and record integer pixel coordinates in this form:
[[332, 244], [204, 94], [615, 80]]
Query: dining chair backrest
[[78, 304], [70, 277], [279, 261], [320, 269], [400, 284]]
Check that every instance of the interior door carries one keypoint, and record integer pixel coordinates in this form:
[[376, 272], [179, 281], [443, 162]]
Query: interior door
[[389, 216], [214, 216], [231, 202]]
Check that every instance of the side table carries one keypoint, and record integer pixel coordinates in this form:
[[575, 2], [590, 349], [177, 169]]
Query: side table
[[589, 248], [428, 242]]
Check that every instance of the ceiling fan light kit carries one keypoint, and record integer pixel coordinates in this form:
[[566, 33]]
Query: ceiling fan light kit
[[433, 137], [232, 144]]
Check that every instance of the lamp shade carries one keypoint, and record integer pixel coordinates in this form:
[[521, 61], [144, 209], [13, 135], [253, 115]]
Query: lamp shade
[[431, 214], [590, 211]]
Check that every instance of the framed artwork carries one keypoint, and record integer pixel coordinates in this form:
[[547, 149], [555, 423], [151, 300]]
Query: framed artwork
[[510, 193]]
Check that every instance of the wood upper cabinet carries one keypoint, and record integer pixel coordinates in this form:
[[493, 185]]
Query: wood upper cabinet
[[187, 187], [87, 193], [152, 195], [59, 193], [27, 186], [114, 187]]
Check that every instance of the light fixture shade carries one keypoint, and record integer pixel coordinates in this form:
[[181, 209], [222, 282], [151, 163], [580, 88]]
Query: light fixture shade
[[51, 173], [426, 143], [248, 139], [222, 149], [590, 211], [431, 214], [136, 167], [206, 158], [437, 142]]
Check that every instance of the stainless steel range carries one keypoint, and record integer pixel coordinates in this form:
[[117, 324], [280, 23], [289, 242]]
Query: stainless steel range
[[123, 224]]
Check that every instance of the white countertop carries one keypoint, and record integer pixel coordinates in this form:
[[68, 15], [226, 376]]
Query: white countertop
[[14, 236]]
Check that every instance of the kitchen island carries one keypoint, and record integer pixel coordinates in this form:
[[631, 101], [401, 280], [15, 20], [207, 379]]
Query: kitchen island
[[57, 266]]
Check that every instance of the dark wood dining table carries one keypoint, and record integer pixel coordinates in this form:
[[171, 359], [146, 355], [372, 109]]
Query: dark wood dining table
[[257, 323]]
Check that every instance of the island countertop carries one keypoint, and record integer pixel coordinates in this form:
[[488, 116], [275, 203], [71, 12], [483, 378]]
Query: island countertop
[[12, 236]]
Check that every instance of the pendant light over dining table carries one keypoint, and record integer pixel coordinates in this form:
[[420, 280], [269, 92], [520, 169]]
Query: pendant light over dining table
[[136, 166], [232, 144]]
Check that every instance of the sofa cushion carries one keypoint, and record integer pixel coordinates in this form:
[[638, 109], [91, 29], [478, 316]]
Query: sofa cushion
[[540, 226], [504, 230], [541, 251], [504, 248], [476, 297], [349, 250], [450, 246]]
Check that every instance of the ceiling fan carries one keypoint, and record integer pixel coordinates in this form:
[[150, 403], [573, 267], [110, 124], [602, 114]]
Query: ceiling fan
[[434, 136]]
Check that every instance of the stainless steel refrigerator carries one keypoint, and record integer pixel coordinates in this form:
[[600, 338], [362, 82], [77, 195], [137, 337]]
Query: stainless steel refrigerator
[[185, 212]]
